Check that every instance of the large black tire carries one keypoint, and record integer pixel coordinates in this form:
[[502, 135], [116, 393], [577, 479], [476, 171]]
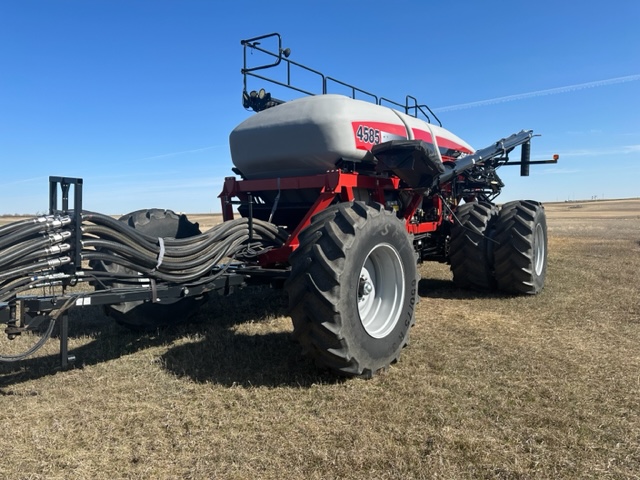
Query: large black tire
[[146, 316], [471, 246], [520, 252], [352, 289]]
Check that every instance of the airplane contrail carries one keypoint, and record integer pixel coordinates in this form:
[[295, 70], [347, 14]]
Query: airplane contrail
[[173, 154], [539, 93]]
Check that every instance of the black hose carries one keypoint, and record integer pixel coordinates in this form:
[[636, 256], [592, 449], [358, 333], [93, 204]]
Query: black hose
[[43, 339], [142, 238], [27, 251], [21, 252], [172, 255], [34, 268], [10, 227], [30, 257], [30, 229], [205, 247], [9, 290], [181, 271]]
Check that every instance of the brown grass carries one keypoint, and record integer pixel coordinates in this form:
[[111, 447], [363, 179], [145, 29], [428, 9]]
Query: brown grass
[[490, 387]]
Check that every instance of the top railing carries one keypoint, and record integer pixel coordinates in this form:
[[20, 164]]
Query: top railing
[[261, 100]]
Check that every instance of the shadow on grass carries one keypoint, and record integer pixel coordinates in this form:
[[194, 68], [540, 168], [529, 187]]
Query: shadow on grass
[[108, 341], [220, 354], [446, 289], [215, 352], [234, 359]]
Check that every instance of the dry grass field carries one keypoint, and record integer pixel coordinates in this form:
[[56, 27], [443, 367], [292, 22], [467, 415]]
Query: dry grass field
[[490, 386]]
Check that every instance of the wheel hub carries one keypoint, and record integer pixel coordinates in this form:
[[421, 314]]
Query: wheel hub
[[365, 287], [381, 291], [538, 250]]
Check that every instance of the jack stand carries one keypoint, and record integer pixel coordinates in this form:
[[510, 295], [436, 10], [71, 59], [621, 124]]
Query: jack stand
[[65, 358]]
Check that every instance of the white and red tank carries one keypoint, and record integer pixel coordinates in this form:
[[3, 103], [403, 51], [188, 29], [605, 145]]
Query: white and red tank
[[309, 135]]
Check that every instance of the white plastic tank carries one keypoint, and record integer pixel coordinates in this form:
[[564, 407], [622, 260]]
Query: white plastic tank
[[309, 135]]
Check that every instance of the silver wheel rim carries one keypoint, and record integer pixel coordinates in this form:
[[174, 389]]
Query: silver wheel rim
[[381, 291], [538, 250]]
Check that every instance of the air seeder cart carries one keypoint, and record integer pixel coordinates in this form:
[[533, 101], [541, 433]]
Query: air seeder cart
[[338, 200]]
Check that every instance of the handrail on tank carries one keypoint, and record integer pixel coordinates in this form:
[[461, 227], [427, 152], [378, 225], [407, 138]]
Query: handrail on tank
[[419, 108], [253, 43], [353, 89], [282, 56]]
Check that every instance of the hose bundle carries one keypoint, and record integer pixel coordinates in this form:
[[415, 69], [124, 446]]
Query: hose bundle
[[107, 241], [32, 250]]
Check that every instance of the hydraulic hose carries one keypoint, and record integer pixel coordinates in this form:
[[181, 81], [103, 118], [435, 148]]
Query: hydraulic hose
[[20, 252], [43, 339], [175, 257], [24, 230], [32, 249]]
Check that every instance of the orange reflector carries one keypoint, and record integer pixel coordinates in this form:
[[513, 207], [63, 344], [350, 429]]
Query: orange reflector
[[556, 156]]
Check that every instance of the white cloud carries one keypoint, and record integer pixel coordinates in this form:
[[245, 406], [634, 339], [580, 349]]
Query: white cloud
[[631, 149], [591, 152], [40, 180], [559, 171]]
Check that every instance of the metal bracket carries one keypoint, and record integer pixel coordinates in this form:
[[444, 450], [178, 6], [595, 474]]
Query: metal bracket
[[60, 186]]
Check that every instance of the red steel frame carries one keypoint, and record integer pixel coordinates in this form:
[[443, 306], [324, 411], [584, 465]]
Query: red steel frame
[[331, 184]]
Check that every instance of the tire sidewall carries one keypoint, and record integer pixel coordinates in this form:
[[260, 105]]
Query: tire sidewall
[[144, 316], [516, 246], [539, 279], [376, 351]]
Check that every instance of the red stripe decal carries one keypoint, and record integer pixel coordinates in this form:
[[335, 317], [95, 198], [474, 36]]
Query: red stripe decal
[[442, 142], [451, 145], [422, 135], [367, 134]]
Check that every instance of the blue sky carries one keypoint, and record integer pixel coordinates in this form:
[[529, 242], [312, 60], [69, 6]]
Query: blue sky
[[138, 97]]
